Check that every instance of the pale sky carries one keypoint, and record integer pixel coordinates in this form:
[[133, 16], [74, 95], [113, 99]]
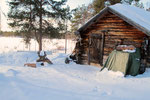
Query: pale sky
[[72, 3], [3, 8]]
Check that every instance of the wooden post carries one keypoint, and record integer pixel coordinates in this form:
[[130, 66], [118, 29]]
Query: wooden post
[[0, 22], [29, 46], [35, 44], [89, 52], [41, 24], [102, 47], [65, 43], [66, 37]]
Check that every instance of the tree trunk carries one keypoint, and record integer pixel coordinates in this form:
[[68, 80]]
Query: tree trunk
[[40, 43], [40, 32]]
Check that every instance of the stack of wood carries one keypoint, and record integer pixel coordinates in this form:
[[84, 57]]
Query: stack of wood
[[42, 58], [125, 47], [30, 65]]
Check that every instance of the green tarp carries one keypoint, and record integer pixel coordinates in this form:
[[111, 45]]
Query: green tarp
[[127, 63]]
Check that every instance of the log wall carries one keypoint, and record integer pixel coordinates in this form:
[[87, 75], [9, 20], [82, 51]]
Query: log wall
[[119, 31]]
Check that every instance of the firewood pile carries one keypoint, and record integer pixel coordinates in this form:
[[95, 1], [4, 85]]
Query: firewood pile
[[43, 57], [41, 60], [125, 47], [33, 65]]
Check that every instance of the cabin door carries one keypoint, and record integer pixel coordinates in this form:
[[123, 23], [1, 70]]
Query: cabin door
[[95, 51]]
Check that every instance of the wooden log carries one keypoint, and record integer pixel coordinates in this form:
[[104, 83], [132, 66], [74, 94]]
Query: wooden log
[[102, 49], [106, 53], [110, 18], [108, 49], [124, 37], [129, 33], [33, 65], [89, 53], [111, 21], [110, 45], [111, 29], [111, 25], [115, 24], [114, 41]]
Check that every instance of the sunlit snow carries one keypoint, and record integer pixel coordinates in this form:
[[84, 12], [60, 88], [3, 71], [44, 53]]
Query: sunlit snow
[[61, 81]]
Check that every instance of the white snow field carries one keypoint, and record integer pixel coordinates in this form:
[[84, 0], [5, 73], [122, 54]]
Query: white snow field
[[62, 81]]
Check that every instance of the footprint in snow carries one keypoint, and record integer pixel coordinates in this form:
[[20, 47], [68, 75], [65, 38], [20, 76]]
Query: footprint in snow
[[11, 73], [102, 92]]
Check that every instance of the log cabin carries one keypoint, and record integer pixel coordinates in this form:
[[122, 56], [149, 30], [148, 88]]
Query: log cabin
[[114, 25]]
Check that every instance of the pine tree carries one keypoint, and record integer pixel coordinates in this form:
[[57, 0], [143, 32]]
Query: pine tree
[[130, 1], [80, 16], [33, 17], [98, 5]]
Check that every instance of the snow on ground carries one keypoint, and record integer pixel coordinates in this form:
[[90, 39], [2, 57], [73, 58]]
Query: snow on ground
[[9, 44], [62, 81]]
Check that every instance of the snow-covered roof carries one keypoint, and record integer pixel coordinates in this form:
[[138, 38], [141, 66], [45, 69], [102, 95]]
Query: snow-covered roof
[[133, 15]]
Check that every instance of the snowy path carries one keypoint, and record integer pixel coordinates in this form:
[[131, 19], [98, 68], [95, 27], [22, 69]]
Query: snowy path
[[62, 81]]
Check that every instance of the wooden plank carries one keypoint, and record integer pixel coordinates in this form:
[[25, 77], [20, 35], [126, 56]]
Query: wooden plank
[[124, 42], [113, 41], [112, 26], [108, 49], [110, 45], [124, 37], [89, 52], [111, 29], [110, 21], [107, 53], [102, 49], [126, 33], [110, 18]]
